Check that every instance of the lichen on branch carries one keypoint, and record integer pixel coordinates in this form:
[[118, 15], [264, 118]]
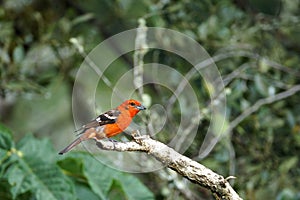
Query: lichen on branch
[[183, 165]]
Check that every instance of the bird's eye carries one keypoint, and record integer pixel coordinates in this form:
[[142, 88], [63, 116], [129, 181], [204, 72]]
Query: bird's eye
[[132, 104]]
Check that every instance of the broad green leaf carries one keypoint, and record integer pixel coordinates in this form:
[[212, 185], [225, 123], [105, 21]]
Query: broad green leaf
[[3, 154], [84, 192], [133, 188], [116, 192], [99, 176], [35, 172], [39, 149], [6, 140], [72, 165], [4, 189], [16, 178]]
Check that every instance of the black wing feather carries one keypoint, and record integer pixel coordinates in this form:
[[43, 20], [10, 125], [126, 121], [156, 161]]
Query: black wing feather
[[108, 117]]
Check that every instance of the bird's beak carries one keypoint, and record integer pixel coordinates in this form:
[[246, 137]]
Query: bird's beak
[[141, 107]]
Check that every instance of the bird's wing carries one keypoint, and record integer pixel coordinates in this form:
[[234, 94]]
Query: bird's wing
[[108, 117]]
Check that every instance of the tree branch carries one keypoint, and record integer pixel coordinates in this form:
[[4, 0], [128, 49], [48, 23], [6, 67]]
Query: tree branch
[[141, 49], [183, 165], [260, 103]]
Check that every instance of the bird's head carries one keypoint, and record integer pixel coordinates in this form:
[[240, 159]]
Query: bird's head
[[133, 106]]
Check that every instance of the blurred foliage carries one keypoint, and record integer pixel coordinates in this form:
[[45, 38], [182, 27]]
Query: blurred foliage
[[38, 66], [31, 169]]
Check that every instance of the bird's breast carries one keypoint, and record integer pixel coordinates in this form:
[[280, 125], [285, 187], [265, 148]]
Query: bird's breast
[[121, 124]]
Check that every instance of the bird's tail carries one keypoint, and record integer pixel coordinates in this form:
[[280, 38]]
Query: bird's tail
[[70, 146]]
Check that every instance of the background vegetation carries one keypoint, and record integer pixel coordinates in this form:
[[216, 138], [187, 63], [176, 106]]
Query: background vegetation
[[38, 65]]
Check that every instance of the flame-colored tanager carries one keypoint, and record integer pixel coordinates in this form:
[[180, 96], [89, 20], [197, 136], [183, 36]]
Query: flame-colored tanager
[[108, 124]]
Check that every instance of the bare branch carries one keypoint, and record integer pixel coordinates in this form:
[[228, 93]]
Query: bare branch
[[261, 102], [257, 105], [94, 67], [141, 49], [90, 62], [181, 86], [183, 165], [223, 56]]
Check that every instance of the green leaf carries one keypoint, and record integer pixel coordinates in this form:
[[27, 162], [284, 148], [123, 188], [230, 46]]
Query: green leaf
[[6, 140], [16, 178], [116, 191], [99, 176], [220, 125], [82, 18], [73, 165], [4, 191], [286, 194], [38, 149], [35, 172], [84, 192], [260, 85], [288, 164], [18, 54], [133, 187]]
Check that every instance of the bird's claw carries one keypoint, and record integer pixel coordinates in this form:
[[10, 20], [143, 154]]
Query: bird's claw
[[112, 140]]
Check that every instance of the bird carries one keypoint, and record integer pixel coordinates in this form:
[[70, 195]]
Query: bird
[[108, 124]]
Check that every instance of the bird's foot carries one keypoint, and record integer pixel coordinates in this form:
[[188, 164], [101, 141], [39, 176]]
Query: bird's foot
[[112, 140]]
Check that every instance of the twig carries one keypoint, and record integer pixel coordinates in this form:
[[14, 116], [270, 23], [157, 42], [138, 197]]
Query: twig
[[90, 62], [222, 56], [232, 160], [249, 111], [261, 102], [141, 49], [183, 165], [203, 65], [94, 67], [235, 73]]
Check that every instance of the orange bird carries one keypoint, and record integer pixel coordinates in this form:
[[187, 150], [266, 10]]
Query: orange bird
[[108, 124]]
